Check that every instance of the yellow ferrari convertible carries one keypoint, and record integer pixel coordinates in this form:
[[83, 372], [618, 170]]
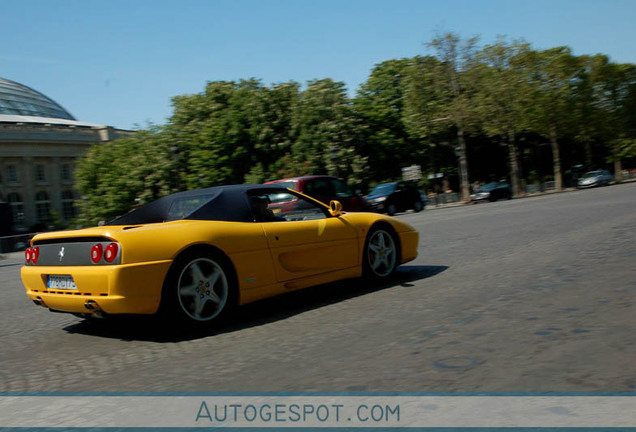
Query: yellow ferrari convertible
[[195, 255]]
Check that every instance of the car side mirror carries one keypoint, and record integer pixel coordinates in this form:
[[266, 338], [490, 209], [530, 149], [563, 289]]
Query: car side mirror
[[335, 208]]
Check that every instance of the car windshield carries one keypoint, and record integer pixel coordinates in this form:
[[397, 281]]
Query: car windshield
[[488, 187], [287, 184], [592, 174], [383, 189]]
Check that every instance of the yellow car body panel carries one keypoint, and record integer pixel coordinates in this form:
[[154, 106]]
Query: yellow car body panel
[[268, 258], [122, 289], [307, 248]]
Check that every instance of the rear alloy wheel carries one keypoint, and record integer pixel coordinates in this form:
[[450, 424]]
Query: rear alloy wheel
[[380, 254], [199, 289], [203, 289], [417, 206]]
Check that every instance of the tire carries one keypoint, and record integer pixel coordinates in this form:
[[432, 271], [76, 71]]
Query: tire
[[391, 210], [381, 253], [199, 290], [417, 206]]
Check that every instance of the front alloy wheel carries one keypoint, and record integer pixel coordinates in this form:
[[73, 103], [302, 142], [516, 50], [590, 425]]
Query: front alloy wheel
[[380, 254], [202, 289]]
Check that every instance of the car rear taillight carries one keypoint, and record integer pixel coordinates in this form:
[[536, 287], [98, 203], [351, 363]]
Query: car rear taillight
[[111, 252], [96, 253], [32, 254]]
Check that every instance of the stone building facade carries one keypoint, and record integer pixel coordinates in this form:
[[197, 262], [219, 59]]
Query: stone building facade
[[40, 143]]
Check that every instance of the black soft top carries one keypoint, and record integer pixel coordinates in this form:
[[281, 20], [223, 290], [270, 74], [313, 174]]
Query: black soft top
[[220, 203]]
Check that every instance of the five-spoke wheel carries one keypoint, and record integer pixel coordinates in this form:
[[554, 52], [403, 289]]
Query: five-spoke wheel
[[199, 289], [203, 289], [380, 253]]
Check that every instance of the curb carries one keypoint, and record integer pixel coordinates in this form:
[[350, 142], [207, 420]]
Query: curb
[[532, 195]]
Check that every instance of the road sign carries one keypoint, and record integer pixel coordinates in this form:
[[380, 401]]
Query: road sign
[[414, 172]]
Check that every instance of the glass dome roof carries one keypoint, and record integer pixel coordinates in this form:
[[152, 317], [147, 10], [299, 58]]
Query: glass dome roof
[[17, 99]]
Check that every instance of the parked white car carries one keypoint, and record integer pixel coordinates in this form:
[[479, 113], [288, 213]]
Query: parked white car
[[595, 178]]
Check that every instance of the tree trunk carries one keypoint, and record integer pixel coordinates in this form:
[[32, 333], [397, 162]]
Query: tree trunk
[[556, 158], [618, 170], [463, 166], [587, 146], [514, 163]]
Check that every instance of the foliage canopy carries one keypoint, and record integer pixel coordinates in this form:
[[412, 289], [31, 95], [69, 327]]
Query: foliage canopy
[[499, 106]]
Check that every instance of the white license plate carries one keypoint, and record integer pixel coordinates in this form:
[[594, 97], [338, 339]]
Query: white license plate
[[60, 282]]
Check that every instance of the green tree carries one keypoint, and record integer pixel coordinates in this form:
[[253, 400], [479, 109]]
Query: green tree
[[501, 97], [425, 116], [380, 101], [328, 132], [617, 98], [200, 127], [232, 132], [273, 136], [115, 177], [587, 111], [552, 75], [456, 57]]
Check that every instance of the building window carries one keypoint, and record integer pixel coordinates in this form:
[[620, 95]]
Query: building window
[[68, 205], [66, 172], [40, 174], [12, 174], [42, 207], [17, 208]]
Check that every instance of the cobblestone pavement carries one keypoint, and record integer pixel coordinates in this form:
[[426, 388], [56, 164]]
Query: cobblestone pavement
[[523, 295]]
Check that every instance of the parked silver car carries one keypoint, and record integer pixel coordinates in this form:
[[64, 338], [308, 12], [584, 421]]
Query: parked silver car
[[594, 178]]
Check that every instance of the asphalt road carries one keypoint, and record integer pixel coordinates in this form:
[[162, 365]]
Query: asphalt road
[[532, 294]]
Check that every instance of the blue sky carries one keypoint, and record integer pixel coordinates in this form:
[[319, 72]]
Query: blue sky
[[119, 62]]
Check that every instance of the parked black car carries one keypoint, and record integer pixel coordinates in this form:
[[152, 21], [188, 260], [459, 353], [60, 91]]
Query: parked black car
[[395, 197], [492, 192]]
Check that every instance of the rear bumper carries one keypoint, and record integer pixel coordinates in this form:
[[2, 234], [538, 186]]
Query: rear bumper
[[119, 289], [476, 197], [588, 185]]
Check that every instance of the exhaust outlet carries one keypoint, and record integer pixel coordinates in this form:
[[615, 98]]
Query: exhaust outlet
[[92, 305], [38, 301], [94, 308]]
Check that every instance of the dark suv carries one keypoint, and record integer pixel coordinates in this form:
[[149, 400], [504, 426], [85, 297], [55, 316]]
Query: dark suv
[[395, 197], [325, 188]]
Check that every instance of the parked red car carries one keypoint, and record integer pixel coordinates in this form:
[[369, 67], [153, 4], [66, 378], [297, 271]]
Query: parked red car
[[324, 188]]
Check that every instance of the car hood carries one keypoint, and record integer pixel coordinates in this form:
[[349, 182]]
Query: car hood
[[374, 197], [589, 180]]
